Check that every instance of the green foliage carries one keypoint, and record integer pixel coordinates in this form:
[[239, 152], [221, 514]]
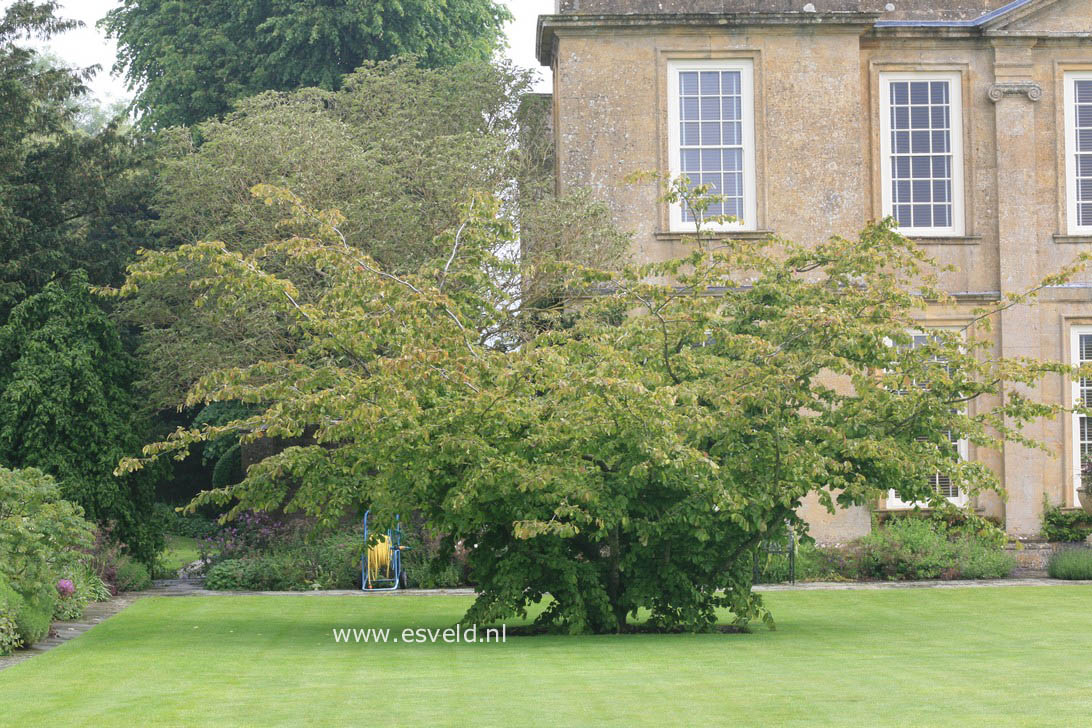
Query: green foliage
[[41, 537], [911, 548], [11, 604], [89, 587], [633, 458], [66, 408], [229, 468], [68, 199], [1071, 526], [190, 64], [132, 575], [399, 150], [220, 413], [192, 525], [328, 562], [1073, 564]]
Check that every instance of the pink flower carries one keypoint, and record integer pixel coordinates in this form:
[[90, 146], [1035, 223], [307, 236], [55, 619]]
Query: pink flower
[[66, 588]]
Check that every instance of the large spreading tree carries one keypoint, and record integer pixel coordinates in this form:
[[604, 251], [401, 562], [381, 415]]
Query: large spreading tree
[[634, 453], [189, 60]]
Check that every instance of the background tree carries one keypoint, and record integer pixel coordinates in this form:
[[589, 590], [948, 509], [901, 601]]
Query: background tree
[[68, 199], [190, 60], [632, 459], [67, 408], [399, 149]]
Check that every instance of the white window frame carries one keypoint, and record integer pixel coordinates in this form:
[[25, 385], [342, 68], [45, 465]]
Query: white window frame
[[750, 202], [1075, 334], [1070, 99], [893, 502], [958, 227]]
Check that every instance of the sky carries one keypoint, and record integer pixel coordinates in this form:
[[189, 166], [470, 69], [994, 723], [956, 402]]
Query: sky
[[88, 47]]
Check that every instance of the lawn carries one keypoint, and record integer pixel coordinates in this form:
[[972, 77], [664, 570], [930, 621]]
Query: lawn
[[181, 550], [1017, 656]]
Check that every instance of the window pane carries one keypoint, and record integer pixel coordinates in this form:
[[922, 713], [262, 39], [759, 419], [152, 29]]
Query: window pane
[[710, 134], [902, 214], [733, 134], [688, 83], [1084, 165], [731, 83], [900, 167], [901, 142], [919, 117], [941, 191], [1084, 140], [710, 160], [710, 109], [690, 109], [691, 160], [691, 134], [733, 160], [902, 192], [1084, 116], [940, 93], [710, 84], [1084, 92], [923, 216], [919, 142], [939, 115]]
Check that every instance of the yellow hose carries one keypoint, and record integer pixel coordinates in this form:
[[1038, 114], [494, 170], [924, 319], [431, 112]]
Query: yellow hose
[[379, 559]]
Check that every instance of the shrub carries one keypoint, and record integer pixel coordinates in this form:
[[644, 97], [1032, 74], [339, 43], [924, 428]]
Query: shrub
[[9, 635], [132, 575], [229, 468], [1065, 526], [270, 572], [42, 538], [912, 547], [1071, 564], [86, 587], [11, 603]]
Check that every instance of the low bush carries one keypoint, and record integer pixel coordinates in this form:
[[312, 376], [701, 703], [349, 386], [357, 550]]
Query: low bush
[[1065, 526], [85, 586], [258, 553], [913, 547], [42, 539], [1074, 564], [11, 603], [131, 575], [328, 562]]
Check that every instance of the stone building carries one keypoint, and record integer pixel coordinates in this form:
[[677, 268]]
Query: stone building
[[970, 121]]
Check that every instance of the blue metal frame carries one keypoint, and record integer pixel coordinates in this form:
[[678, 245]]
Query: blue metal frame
[[394, 536]]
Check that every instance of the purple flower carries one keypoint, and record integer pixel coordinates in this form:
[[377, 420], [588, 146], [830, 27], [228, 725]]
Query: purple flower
[[66, 588]]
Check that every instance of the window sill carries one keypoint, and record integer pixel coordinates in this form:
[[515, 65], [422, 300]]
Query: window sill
[[946, 239], [1072, 239], [674, 237]]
